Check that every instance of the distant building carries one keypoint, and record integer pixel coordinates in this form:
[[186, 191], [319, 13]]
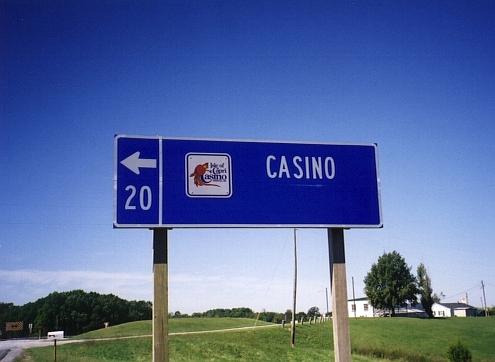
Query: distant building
[[453, 310], [362, 307], [411, 310]]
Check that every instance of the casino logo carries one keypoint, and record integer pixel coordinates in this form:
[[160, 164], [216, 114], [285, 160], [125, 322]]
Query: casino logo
[[208, 175], [202, 178]]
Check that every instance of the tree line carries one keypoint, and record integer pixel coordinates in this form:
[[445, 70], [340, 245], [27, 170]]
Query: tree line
[[74, 312], [77, 311], [243, 312]]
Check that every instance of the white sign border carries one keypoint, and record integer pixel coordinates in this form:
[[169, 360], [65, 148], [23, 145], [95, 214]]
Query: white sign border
[[209, 196], [236, 226]]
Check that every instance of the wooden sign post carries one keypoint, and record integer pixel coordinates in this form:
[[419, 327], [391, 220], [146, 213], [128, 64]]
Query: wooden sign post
[[341, 338], [160, 295], [293, 324]]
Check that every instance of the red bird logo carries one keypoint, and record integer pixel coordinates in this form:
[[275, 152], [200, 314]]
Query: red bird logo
[[198, 174]]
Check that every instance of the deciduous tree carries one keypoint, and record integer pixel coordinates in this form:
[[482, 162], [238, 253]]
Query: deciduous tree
[[313, 311], [390, 283], [425, 290]]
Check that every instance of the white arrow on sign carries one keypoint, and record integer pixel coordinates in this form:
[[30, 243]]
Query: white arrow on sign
[[134, 163]]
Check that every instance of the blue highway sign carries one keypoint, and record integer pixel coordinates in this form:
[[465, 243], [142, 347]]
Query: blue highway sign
[[163, 182]]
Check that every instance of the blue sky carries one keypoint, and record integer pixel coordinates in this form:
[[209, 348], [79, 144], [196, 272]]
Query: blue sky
[[416, 78]]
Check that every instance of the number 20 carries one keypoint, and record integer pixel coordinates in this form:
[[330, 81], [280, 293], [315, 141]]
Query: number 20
[[144, 200]]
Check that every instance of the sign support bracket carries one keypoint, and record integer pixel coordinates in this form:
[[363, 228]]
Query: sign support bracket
[[338, 285], [160, 295]]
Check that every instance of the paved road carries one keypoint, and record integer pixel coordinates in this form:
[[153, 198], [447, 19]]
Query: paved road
[[11, 349]]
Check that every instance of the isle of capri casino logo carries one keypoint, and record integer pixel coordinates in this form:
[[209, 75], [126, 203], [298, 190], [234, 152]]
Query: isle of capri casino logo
[[208, 175]]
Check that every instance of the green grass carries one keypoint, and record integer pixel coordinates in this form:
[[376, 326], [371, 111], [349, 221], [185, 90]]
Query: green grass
[[312, 344], [122, 330], [138, 349], [269, 344], [429, 338], [175, 325], [400, 339]]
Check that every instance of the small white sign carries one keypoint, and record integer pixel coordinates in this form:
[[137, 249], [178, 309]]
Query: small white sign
[[56, 335], [208, 175]]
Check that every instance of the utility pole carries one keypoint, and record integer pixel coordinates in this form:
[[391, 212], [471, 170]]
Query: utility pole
[[484, 298], [353, 298], [293, 325]]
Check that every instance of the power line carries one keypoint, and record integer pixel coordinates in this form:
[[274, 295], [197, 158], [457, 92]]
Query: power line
[[463, 292]]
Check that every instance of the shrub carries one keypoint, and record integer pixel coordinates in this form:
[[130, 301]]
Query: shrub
[[459, 353]]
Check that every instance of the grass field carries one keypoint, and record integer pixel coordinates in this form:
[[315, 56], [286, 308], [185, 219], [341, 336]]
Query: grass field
[[393, 338], [175, 325], [423, 338]]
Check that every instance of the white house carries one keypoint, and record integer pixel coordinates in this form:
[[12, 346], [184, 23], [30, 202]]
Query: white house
[[453, 310], [361, 307]]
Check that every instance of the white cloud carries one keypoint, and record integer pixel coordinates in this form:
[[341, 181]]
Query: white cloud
[[187, 292], [26, 285]]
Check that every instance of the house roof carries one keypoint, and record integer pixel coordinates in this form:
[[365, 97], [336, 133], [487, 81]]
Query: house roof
[[358, 299], [457, 305]]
